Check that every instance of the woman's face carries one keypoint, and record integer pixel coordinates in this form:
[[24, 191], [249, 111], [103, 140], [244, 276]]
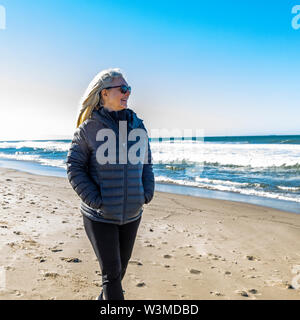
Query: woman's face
[[113, 98]]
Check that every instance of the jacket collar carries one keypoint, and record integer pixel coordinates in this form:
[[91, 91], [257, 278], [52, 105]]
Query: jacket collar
[[103, 116]]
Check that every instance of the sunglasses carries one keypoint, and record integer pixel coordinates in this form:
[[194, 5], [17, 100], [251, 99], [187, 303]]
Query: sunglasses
[[123, 88]]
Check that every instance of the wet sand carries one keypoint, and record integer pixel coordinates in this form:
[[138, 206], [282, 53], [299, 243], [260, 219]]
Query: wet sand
[[186, 248]]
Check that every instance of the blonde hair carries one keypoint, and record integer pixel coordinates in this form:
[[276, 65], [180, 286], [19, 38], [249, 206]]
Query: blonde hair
[[92, 96]]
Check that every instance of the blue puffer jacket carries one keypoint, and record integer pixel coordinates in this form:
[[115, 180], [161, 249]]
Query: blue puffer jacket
[[113, 193]]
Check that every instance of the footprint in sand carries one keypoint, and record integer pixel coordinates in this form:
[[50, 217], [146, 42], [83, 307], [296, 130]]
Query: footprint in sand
[[10, 268], [96, 283], [51, 275], [252, 258], [243, 293], [39, 258], [216, 293], [253, 291], [141, 284], [17, 293], [75, 260], [194, 271], [55, 250], [135, 262]]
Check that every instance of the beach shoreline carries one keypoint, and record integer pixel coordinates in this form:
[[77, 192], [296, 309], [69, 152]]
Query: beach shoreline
[[186, 248], [42, 170]]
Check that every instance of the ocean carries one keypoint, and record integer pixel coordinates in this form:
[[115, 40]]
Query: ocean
[[258, 169]]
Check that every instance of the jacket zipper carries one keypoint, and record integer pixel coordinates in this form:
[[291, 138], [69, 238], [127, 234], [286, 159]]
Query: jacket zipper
[[125, 170], [125, 193]]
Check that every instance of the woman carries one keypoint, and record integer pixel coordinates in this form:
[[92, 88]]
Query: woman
[[112, 193]]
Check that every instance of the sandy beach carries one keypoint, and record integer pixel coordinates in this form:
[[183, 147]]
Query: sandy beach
[[187, 247]]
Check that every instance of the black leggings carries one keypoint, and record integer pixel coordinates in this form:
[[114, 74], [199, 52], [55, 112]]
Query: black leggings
[[113, 245]]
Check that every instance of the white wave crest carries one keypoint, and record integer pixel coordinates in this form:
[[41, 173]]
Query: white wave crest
[[35, 158], [46, 145], [229, 186], [247, 155]]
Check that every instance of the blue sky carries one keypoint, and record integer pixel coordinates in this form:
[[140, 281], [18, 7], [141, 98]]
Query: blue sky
[[226, 67]]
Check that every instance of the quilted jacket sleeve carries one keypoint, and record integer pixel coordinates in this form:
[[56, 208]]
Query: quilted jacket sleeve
[[148, 175], [77, 161]]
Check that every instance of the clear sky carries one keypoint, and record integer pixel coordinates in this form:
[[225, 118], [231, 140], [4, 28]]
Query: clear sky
[[226, 67]]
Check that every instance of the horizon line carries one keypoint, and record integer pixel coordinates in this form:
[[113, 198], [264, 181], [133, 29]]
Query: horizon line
[[169, 137]]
